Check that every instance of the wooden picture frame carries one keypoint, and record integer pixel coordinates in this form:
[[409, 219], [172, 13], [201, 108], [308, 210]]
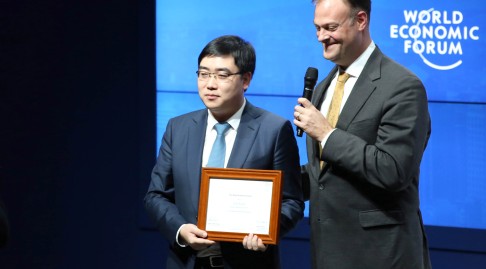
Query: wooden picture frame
[[235, 202]]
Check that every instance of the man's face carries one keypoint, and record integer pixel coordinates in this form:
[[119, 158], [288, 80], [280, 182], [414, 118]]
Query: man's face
[[337, 31], [223, 97]]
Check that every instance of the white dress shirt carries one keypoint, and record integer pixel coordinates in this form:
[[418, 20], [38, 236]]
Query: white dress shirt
[[230, 137], [354, 70]]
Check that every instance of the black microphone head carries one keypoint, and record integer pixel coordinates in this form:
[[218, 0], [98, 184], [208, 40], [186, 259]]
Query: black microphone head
[[310, 78]]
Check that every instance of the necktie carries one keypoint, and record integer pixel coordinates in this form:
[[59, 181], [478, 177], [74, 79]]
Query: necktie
[[337, 98], [218, 152], [335, 106]]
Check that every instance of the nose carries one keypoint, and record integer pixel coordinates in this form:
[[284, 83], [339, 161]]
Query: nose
[[211, 83], [323, 35]]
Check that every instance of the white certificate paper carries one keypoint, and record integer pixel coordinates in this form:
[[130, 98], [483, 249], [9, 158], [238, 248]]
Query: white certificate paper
[[239, 206]]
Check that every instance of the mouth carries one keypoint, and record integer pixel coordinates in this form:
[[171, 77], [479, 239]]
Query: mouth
[[327, 45], [211, 96]]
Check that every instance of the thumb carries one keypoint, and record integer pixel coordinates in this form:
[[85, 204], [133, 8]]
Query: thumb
[[199, 233]]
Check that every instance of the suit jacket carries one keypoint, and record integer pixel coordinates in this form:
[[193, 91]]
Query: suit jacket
[[264, 141], [364, 205]]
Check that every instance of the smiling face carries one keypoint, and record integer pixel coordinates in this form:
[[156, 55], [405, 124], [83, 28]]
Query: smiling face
[[341, 31], [222, 98]]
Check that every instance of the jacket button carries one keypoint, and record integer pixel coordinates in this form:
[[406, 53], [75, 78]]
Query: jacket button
[[321, 187]]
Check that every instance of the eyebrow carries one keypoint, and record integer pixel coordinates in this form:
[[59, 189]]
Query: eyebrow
[[217, 69]]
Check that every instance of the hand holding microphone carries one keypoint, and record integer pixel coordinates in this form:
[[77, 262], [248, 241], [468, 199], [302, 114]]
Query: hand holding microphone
[[310, 80]]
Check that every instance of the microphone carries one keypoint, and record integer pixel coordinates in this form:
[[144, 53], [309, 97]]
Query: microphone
[[310, 80]]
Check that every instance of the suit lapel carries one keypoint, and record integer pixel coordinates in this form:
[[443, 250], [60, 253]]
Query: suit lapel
[[247, 131], [195, 144], [321, 89], [362, 90], [317, 99]]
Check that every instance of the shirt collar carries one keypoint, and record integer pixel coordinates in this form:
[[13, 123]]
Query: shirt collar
[[358, 65], [234, 120]]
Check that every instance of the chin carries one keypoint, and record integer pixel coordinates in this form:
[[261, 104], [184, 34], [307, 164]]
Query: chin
[[330, 58], [211, 103]]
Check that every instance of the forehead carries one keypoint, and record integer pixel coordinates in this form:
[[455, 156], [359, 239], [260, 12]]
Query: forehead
[[218, 62], [328, 11]]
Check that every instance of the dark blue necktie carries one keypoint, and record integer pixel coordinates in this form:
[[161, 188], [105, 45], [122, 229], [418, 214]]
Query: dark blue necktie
[[218, 152]]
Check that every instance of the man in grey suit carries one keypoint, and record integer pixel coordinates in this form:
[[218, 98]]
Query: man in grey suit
[[363, 171], [256, 139]]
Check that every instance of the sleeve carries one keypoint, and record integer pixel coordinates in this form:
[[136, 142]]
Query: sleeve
[[287, 159], [160, 198], [393, 160]]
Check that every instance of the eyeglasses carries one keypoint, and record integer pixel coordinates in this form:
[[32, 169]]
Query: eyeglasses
[[222, 77]]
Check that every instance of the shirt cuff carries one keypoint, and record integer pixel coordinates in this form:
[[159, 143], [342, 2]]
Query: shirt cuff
[[324, 141], [177, 237]]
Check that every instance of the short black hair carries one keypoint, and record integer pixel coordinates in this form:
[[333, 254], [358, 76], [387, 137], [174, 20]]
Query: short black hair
[[241, 50]]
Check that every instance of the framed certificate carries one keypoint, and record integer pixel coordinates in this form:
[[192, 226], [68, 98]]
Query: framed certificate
[[236, 202]]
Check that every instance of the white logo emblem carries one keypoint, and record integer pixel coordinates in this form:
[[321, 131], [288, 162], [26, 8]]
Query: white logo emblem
[[432, 34]]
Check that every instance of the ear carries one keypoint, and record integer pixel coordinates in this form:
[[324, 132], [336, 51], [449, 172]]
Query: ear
[[246, 77], [362, 20]]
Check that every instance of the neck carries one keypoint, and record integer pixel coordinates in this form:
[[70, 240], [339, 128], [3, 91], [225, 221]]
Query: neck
[[222, 115]]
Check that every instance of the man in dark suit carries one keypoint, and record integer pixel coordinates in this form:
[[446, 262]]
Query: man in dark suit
[[256, 139], [363, 171]]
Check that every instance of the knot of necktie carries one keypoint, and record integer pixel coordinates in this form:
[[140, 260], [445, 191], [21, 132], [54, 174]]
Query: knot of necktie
[[343, 77], [222, 128]]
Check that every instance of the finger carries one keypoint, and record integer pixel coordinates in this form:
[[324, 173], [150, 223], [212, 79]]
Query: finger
[[298, 109], [298, 124], [245, 242], [191, 238], [200, 244], [202, 241], [261, 246], [196, 231], [201, 233], [297, 115], [254, 242], [248, 241], [304, 102]]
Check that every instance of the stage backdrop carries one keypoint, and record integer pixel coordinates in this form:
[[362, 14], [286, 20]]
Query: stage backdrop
[[442, 42]]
